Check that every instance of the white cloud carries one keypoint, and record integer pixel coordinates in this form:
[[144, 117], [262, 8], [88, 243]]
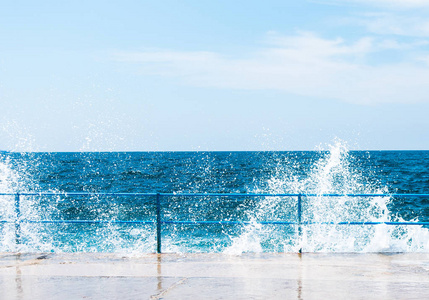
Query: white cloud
[[391, 3], [394, 24], [425, 59], [303, 64]]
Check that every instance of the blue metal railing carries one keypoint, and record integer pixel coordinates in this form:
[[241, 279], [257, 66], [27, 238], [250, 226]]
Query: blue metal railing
[[18, 220]]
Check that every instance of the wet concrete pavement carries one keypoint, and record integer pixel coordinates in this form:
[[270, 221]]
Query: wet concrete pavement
[[214, 276]]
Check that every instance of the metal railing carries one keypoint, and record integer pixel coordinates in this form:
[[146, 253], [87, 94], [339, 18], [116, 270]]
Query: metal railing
[[18, 219]]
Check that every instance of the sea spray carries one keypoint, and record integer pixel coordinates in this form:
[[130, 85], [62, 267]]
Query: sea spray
[[335, 172], [8, 180], [15, 178], [25, 173]]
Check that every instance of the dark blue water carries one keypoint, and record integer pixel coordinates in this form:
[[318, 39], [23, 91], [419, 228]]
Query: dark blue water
[[334, 171]]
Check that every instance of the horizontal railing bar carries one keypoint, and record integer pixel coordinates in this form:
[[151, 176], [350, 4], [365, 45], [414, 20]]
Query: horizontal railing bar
[[365, 223], [78, 194], [365, 195], [86, 222], [220, 222], [209, 194], [229, 222], [152, 194], [406, 223], [226, 195], [289, 195], [153, 222]]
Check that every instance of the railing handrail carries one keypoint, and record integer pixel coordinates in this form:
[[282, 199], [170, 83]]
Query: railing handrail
[[171, 194]]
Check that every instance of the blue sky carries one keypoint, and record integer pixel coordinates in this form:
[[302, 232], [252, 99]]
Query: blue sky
[[213, 75]]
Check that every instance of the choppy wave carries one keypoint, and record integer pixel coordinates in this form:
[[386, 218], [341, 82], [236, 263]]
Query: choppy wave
[[331, 174], [334, 171]]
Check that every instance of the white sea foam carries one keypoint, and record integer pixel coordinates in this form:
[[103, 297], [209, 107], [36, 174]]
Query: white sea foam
[[15, 179], [45, 237], [333, 173]]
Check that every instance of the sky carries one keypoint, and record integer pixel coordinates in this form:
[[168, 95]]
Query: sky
[[225, 75]]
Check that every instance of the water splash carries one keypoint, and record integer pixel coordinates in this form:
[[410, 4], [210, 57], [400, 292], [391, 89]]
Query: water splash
[[14, 178], [17, 176], [333, 173], [8, 180]]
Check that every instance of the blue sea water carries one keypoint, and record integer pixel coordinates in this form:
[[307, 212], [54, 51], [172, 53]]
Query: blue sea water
[[336, 170]]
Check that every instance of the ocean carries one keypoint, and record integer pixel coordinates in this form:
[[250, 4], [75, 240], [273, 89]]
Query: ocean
[[336, 170]]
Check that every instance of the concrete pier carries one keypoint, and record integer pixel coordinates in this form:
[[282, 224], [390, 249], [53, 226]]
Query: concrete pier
[[214, 276]]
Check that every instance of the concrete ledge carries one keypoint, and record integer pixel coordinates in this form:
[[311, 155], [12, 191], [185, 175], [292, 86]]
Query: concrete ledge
[[214, 276]]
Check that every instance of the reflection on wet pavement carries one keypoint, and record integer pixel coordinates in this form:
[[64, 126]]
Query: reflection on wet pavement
[[214, 276]]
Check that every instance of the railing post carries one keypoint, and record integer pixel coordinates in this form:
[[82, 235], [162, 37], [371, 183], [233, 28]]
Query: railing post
[[300, 221], [158, 223], [17, 220]]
